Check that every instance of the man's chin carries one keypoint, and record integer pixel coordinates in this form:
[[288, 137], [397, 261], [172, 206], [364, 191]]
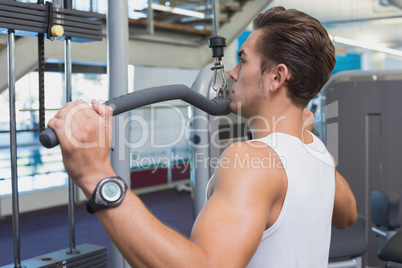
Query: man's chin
[[233, 108], [236, 109]]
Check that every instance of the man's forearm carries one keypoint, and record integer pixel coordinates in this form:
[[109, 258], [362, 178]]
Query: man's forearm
[[144, 241]]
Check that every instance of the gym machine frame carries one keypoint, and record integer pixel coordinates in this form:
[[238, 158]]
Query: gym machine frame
[[25, 19], [42, 20], [117, 36]]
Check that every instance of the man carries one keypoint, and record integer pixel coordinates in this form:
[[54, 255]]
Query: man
[[274, 210]]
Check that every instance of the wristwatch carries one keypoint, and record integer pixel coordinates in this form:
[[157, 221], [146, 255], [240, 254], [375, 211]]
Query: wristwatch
[[108, 193]]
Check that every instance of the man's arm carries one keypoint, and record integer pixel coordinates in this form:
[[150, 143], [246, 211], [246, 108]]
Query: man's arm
[[246, 190], [227, 231], [345, 213]]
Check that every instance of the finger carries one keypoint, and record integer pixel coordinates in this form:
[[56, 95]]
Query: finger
[[102, 109], [95, 105], [80, 101], [105, 112], [85, 107], [58, 126], [64, 110], [54, 123], [57, 123]]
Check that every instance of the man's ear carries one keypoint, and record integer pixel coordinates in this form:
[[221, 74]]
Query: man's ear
[[280, 74]]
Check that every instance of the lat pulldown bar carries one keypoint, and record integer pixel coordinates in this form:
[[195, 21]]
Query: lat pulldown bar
[[131, 101]]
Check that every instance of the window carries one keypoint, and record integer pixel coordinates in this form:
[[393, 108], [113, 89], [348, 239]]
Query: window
[[40, 168]]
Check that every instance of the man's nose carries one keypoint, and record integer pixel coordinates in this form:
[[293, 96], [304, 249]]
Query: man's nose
[[233, 73]]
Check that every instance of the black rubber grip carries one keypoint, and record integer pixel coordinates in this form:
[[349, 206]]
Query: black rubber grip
[[131, 101]]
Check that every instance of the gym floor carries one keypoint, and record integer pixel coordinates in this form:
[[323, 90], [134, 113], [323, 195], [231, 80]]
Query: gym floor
[[47, 231]]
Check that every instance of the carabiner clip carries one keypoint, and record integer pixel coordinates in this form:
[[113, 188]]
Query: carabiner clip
[[218, 67]]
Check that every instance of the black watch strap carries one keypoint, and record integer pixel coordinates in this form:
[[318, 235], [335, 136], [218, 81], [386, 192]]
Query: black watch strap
[[91, 206], [96, 202]]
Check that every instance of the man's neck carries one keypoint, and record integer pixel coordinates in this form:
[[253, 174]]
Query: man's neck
[[287, 119]]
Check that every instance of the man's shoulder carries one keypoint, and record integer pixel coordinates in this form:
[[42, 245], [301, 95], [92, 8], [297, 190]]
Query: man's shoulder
[[248, 168], [255, 148], [251, 155]]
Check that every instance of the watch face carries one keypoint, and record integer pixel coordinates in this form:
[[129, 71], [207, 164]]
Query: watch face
[[111, 191]]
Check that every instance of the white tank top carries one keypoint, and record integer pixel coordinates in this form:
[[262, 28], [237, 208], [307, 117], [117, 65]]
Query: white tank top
[[300, 237]]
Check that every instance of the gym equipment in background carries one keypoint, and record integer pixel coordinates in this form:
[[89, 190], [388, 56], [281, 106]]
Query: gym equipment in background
[[348, 246], [31, 20], [358, 118], [217, 43], [210, 135], [385, 216], [28, 19], [89, 256], [117, 65]]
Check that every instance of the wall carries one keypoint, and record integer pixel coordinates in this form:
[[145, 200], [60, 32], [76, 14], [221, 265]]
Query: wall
[[372, 60]]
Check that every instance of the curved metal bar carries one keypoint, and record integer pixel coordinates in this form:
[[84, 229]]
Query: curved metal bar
[[131, 101]]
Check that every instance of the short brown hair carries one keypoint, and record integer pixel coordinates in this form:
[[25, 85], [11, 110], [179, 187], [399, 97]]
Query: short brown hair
[[301, 43]]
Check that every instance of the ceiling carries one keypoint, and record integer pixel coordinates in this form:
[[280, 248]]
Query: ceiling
[[361, 20], [368, 21]]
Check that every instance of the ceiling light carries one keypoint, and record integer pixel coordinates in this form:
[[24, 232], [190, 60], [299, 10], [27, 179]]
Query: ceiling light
[[365, 45], [179, 11]]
